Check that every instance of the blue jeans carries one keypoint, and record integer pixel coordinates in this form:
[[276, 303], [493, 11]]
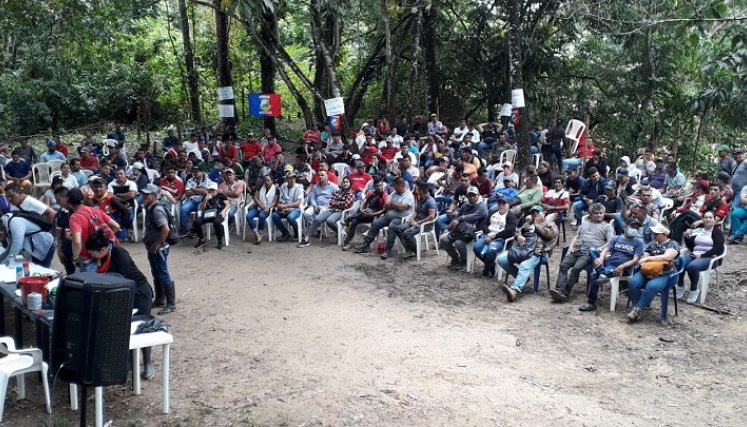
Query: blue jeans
[[557, 151], [521, 272], [159, 267], [260, 215], [738, 222], [442, 222], [642, 291], [487, 252], [693, 267], [578, 210], [291, 217], [571, 163], [47, 261], [619, 223], [188, 206], [533, 149]]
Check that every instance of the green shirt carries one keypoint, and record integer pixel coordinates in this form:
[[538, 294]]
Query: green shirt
[[530, 197]]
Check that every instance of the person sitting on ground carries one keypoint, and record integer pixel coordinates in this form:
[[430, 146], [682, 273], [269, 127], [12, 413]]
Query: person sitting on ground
[[289, 202], [739, 219], [19, 171], [594, 233], [425, 211], [547, 235], [372, 205], [195, 192], [212, 210], [500, 226], [617, 259], [704, 244], [114, 259], [319, 198], [399, 205], [592, 188], [462, 229], [641, 289], [265, 199]]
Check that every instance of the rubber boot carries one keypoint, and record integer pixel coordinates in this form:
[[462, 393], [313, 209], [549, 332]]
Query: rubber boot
[[160, 297], [170, 292], [147, 364]]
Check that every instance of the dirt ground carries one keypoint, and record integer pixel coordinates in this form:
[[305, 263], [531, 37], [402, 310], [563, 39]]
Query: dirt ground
[[285, 336]]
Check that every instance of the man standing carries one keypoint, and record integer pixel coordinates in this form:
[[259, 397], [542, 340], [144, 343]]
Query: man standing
[[156, 234], [725, 162], [52, 153]]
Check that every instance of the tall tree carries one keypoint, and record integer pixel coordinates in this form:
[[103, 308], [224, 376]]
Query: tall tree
[[193, 91], [269, 34], [429, 42], [223, 59], [517, 81]]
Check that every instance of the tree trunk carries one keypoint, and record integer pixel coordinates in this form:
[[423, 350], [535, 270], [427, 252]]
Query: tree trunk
[[515, 63], [431, 61], [417, 32], [224, 64], [189, 58], [269, 33]]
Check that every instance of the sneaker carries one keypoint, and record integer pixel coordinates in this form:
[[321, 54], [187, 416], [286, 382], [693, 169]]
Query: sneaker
[[409, 254], [558, 295], [511, 293], [148, 372], [305, 243], [166, 310], [634, 314], [587, 307], [692, 297], [386, 254], [680, 292], [184, 234], [362, 249], [200, 243], [346, 246], [460, 267]]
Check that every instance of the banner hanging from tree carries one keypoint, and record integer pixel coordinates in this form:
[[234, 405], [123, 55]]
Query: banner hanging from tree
[[335, 123], [264, 104]]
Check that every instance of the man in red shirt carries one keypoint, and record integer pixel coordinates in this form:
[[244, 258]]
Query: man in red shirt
[[87, 161], [251, 148], [331, 175], [389, 151], [271, 149], [359, 178], [85, 221], [172, 183]]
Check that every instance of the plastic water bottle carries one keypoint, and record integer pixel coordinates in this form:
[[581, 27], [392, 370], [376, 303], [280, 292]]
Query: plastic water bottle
[[11, 260]]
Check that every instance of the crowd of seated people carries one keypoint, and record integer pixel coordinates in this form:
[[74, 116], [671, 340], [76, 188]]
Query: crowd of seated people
[[396, 177]]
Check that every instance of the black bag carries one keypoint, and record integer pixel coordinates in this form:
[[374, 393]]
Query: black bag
[[173, 237], [464, 232], [40, 220], [519, 253]]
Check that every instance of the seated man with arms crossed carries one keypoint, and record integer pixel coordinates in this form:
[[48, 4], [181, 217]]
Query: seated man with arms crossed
[[425, 211], [398, 207]]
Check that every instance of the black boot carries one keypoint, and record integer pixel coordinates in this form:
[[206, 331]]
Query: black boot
[[147, 364], [160, 297], [170, 292]]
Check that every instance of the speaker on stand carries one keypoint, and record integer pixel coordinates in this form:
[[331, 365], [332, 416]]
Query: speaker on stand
[[91, 331]]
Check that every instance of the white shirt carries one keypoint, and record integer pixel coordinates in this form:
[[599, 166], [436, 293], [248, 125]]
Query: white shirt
[[30, 204], [70, 182], [475, 136], [397, 140], [130, 184], [267, 196]]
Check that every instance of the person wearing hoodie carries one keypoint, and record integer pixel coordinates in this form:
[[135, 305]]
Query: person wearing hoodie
[[625, 164], [462, 229]]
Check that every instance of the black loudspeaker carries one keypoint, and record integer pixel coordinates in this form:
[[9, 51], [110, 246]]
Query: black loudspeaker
[[91, 329]]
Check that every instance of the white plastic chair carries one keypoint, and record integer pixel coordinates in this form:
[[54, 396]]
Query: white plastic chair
[[55, 164], [507, 156], [299, 221], [87, 173], [340, 169], [40, 174], [705, 276], [16, 363], [152, 174], [340, 223], [421, 239], [574, 130], [615, 290], [536, 158]]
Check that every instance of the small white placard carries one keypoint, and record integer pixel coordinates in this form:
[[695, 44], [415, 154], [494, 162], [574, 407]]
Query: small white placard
[[517, 98], [334, 107], [225, 92], [506, 110], [226, 110]]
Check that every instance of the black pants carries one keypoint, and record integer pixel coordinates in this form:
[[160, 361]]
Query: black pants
[[217, 226]]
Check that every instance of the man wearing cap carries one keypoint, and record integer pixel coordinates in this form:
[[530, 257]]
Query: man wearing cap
[[19, 171], [289, 202], [594, 233], [399, 205], [596, 162], [195, 191], [462, 229], [84, 221], [617, 259], [593, 187], [52, 153], [213, 209], [500, 225], [610, 200], [507, 173], [725, 163], [234, 191], [155, 240], [547, 238], [123, 193]]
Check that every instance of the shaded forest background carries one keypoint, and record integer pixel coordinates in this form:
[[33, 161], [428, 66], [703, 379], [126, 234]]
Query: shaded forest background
[[671, 74]]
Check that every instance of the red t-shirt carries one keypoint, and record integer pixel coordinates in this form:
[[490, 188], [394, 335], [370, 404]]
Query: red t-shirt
[[228, 151], [88, 220], [331, 175], [105, 203], [389, 152], [358, 180], [176, 187], [251, 149], [90, 162], [62, 148]]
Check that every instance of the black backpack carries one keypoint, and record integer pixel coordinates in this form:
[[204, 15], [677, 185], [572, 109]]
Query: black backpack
[[173, 237], [40, 220]]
